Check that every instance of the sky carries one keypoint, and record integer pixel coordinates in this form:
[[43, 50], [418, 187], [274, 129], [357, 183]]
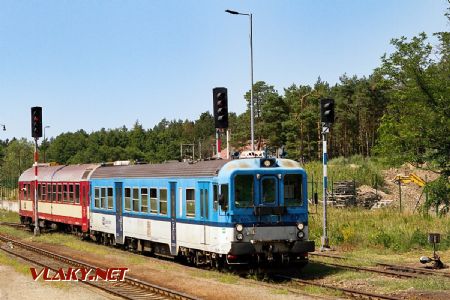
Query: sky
[[103, 64]]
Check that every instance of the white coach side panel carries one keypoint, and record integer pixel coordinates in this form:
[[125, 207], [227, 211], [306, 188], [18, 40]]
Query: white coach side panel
[[147, 229], [103, 222]]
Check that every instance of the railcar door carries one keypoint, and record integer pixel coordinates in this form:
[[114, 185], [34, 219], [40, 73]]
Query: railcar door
[[119, 216], [204, 209], [173, 218]]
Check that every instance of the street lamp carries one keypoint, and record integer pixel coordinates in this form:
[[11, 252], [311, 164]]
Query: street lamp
[[45, 148], [251, 73], [4, 127]]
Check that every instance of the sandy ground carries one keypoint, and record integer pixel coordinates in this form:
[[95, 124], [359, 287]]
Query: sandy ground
[[14, 285], [203, 284]]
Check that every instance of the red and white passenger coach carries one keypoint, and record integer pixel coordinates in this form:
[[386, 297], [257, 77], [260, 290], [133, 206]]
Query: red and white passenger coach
[[63, 196]]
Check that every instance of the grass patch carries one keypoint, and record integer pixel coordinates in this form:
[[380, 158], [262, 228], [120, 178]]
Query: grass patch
[[8, 216], [381, 231], [423, 284], [10, 261], [72, 242], [14, 232], [317, 290], [280, 292]]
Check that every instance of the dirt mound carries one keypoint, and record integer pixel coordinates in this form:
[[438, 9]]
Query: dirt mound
[[411, 194]]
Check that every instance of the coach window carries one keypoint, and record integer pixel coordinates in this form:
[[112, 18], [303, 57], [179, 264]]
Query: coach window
[[110, 198], [71, 193], [153, 200], [144, 200], [190, 202], [293, 190], [77, 194], [224, 194], [136, 199], [97, 197], [215, 195], [103, 198], [127, 199], [39, 190], [66, 193], [163, 201], [243, 191], [43, 192], [59, 193]]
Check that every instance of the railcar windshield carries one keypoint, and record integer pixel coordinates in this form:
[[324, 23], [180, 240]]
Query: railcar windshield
[[243, 191], [293, 190], [269, 190]]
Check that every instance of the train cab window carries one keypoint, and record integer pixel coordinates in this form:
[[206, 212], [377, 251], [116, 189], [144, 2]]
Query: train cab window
[[163, 201], [77, 194], [293, 190], [97, 197], [215, 196], [153, 200], [224, 195], [144, 200], [103, 198], [110, 198], [243, 191], [135, 199], [190, 202], [128, 199], [269, 190]]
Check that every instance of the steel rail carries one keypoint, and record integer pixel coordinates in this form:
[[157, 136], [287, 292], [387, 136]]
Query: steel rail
[[139, 289], [347, 291]]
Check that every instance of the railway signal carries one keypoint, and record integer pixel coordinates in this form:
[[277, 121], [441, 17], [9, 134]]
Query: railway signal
[[36, 122], [327, 110], [220, 103]]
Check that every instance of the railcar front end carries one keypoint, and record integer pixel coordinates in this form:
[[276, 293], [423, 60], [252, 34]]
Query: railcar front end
[[267, 208]]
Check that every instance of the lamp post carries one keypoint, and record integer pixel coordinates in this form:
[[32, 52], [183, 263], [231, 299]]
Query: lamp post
[[43, 141], [251, 74]]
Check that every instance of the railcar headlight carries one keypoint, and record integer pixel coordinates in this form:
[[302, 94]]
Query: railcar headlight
[[300, 234], [239, 227], [239, 236], [300, 226]]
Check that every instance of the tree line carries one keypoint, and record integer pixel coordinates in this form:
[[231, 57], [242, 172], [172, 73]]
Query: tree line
[[401, 112]]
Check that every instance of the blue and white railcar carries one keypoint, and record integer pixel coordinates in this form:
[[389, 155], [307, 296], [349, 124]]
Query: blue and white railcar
[[210, 212]]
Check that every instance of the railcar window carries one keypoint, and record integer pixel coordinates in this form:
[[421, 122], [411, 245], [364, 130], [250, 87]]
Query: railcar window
[[104, 198], [110, 198], [293, 190], [215, 196], [190, 202], [163, 201], [127, 199], [66, 193], [243, 191], [59, 193], [97, 197], [224, 193], [135, 199], [44, 191], [53, 192], [153, 200], [77, 194], [71, 193], [39, 191], [144, 200], [269, 190]]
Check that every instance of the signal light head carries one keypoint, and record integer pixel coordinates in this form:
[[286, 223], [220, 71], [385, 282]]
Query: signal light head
[[220, 103]]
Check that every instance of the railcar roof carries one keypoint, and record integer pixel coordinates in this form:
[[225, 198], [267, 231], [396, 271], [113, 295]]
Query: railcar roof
[[173, 169], [70, 173]]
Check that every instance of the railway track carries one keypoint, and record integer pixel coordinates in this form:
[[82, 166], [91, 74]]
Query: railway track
[[387, 269], [130, 288], [346, 291]]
